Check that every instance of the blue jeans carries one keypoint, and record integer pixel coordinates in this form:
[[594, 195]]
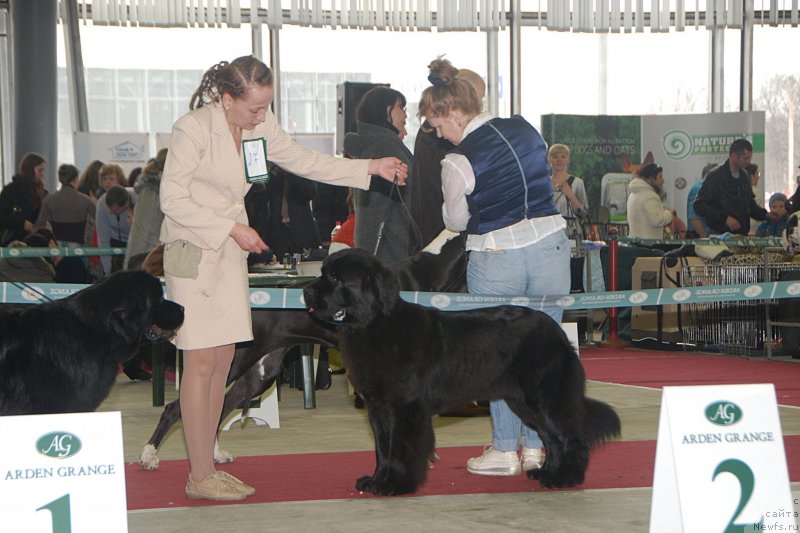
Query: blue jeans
[[538, 269]]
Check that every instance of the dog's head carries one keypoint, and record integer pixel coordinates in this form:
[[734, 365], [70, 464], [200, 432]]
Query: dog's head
[[353, 290], [130, 307]]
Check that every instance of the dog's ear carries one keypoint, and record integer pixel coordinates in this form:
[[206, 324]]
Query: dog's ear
[[387, 287]]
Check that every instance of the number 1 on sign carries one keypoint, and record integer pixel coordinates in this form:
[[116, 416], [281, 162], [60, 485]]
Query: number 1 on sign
[[60, 513]]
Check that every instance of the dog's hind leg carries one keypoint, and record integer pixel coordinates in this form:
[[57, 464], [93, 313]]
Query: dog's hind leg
[[558, 423], [404, 441], [253, 383]]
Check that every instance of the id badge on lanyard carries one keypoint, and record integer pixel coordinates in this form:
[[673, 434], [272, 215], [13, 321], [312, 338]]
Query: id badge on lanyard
[[254, 152]]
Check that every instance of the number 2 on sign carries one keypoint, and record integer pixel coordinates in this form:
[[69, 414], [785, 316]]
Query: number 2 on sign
[[747, 482], [60, 514]]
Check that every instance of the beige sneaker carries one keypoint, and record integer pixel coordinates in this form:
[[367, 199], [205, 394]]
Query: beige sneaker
[[213, 488], [243, 487], [494, 463], [533, 458]]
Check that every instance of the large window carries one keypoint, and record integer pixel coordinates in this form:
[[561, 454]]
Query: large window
[[141, 79], [329, 57], [644, 73], [776, 90]]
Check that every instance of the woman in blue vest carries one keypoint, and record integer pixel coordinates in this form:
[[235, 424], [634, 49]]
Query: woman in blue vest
[[496, 186]]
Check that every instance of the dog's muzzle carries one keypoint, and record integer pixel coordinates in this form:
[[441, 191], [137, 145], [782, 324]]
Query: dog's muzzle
[[156, 333]]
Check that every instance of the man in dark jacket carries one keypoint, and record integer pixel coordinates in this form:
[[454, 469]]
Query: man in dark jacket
[[725, 200]]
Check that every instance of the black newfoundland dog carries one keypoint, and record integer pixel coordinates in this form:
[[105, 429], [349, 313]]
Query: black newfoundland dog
[[440, 267], [410, 362], [62, 356]]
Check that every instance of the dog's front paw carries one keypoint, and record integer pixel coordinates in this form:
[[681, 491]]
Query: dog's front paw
[[381, 488], [221, 457], [148, 460]]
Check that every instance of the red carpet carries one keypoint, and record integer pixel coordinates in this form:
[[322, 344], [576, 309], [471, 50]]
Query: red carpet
[[652, 368], [332, 476]]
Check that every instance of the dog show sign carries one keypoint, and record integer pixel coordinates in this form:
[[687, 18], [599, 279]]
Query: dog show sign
[[720, 462], [62, 473]]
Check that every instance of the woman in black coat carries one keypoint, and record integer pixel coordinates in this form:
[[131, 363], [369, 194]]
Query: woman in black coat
[[291, 227], [21, 200]]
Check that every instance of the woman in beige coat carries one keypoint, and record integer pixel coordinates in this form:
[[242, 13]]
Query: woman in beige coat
[[217, 150], [647, 215]]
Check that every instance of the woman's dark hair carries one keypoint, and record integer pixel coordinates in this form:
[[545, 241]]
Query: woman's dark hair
[[89, 182], [28, 163], [376, 105], [31, 189], [231, 78], [650, 171], [67, 173]]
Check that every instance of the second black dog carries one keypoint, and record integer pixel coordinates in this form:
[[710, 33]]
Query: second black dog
[[511, 353]]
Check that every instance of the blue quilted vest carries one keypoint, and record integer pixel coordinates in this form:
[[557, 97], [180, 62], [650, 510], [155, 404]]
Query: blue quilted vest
[[510, 184]]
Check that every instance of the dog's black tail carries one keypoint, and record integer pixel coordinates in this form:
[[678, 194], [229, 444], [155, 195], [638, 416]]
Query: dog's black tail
[[601, 422]]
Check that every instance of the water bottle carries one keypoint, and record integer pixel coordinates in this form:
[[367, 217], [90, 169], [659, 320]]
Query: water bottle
[[336, 229]]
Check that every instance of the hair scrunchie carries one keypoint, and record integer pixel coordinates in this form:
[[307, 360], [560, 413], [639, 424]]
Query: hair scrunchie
[[436, 81]]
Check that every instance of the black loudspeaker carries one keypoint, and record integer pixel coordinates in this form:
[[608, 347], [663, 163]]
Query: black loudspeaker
[[348, 95]]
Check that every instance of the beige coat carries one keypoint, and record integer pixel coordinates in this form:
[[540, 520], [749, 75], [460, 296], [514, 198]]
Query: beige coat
[[202, 197]]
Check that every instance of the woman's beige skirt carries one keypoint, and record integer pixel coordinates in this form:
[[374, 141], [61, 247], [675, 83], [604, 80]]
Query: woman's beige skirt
[[217, 303]]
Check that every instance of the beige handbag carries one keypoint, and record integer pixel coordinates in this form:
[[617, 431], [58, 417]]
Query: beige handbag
[[182, 259]]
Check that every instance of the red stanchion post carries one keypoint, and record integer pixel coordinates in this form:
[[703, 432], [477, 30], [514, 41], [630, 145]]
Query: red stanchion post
[[613, 273]]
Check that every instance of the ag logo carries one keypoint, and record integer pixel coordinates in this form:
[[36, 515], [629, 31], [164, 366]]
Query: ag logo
[[752, 291], [681, 295], [259, 297], [638, 297], [32, 293], [58, 444], [723, 413], [565, 301], [440, 301], [793, 289]]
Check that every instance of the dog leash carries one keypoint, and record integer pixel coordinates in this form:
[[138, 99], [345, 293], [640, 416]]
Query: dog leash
[[412, 222]]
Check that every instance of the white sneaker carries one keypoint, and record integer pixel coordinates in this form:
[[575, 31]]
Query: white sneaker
[[533, 458], [494, 463]]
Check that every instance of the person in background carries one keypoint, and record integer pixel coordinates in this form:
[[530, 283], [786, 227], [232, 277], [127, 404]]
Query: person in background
[[147, 218], [776, 227], [291, 228], [725, 201], [496, 186], [68, 212], [755, 177], [647, 215], [112, 225], [111, 229], [569, 193], [382, 219], [89, 182], [216, 150], [329, 206], [793, 204], [697, 229], [134, 174], [21, 200], [426, 199]]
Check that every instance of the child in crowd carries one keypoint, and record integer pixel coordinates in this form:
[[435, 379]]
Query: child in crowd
[[777, 204]]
